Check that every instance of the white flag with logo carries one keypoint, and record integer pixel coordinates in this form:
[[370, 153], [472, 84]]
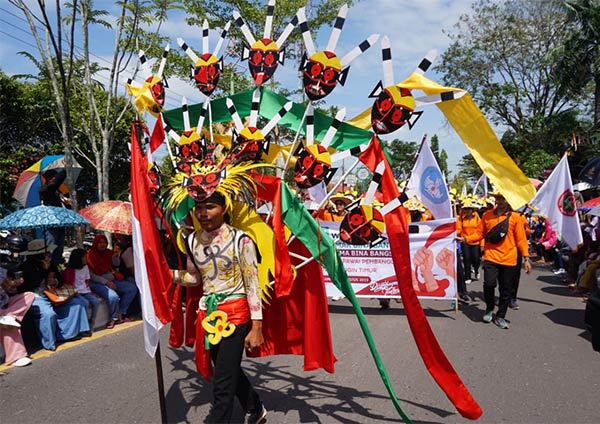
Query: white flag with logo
[[428, 184], [556, 201]]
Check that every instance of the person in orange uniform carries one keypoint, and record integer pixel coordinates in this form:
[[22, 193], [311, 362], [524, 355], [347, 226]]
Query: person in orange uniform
[[513, 304], [467, 226], [502, 242], [338, 211]]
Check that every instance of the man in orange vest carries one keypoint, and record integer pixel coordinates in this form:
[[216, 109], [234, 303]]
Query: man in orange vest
[[504, 236]]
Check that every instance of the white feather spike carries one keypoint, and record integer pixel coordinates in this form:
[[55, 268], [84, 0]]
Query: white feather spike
[[426, 62], [388, 64], [358, 50], [310, 125], [222, 39], [306, 35], [186, 114], [244, 28], [205, 37], [202, 116], [333, 128], [239, 125], [254, 107], [337, 28], [187, 50], [438, 98], [287, 31], [144, 65], [271, 124], [163, 61], [269, 20], [370, 195]]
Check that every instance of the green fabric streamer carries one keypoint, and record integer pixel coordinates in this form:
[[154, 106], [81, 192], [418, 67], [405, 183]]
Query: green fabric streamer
[[323, 250], [347, 136]]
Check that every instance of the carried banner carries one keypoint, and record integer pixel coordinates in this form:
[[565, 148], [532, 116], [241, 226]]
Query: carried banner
[[371, 270]]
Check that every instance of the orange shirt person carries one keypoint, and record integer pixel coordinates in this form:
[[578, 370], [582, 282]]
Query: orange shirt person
[[500, 257], [337, 212]]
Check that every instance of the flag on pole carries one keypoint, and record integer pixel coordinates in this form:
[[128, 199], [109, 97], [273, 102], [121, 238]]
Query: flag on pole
[[556, 200], [149, 258], [428, 184], [482, 181]]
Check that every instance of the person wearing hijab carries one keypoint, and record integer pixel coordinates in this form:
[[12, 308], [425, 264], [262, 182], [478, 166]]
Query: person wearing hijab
[[108, 283]]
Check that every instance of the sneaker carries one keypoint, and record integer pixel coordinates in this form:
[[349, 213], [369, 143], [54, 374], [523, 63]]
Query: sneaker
[[467, 281], [489, 315], [476, 276], [22, 362], [384, 303], [559, 271], [500, 322], [9, 321], [257, 417], [336, 298], [513, 304]]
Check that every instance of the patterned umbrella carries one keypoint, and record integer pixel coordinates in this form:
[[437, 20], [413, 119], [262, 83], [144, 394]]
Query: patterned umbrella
[[113, 216], [30, 180], [41, 217], [586, 206]]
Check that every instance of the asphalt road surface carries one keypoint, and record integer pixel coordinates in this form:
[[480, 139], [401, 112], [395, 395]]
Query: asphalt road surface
[[542, 370]]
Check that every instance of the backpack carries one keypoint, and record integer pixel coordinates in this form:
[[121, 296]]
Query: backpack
[[498, 232]]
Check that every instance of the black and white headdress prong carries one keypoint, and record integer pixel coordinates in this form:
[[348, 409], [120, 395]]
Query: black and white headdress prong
[[337, 28], [254, 107], [163, 61], [386, 60], [438, 98], [269, 19], [287, 31], [358, 50], [244, 28], [333, 128], [186, 114], [306, 35], [374, 184], [202, 116], [222, 38], [235, 116], [310, 124], [426, 62], [275, 119], [187, 50], [344, 154]]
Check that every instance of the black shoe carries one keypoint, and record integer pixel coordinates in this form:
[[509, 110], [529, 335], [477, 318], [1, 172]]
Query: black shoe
[[86, 334], [464, 298], [384, 303], [257, 417]]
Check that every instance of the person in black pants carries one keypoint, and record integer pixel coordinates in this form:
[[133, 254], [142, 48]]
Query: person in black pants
[[50, 196]]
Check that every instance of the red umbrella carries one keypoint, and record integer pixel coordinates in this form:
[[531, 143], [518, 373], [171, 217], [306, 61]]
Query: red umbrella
[[113, 216], [586, 206]]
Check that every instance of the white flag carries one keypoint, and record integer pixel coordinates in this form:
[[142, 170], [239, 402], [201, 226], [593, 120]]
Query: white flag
[[482, 181], [556, 201], [428, 184]]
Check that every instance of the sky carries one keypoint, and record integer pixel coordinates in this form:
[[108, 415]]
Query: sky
[[414, 28]]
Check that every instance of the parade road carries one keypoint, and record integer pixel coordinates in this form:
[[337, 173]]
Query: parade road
[[542, 370]]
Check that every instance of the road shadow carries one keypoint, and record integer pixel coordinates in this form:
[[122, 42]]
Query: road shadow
[[335, 401], [561, 291], [568, 317], [394, 309], [551, 279], [308, 395]]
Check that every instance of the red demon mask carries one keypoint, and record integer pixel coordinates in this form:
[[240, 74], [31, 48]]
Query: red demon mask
[[321, 73], [363, 224], [392, 109], [206, 73], [313, 166]]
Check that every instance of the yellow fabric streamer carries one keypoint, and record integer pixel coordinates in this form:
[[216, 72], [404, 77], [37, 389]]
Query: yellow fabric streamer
[[248, 220], [477, 134], [143, 97]]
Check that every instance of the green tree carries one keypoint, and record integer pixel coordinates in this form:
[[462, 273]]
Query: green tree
[[403, 155], [502, 54], [441, 156], [579, 55]]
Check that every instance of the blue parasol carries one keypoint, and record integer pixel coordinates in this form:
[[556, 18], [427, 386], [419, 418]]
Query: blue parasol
[[41, 217]]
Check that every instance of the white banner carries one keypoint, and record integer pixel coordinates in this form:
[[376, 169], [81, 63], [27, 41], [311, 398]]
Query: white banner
[[371, 270]]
